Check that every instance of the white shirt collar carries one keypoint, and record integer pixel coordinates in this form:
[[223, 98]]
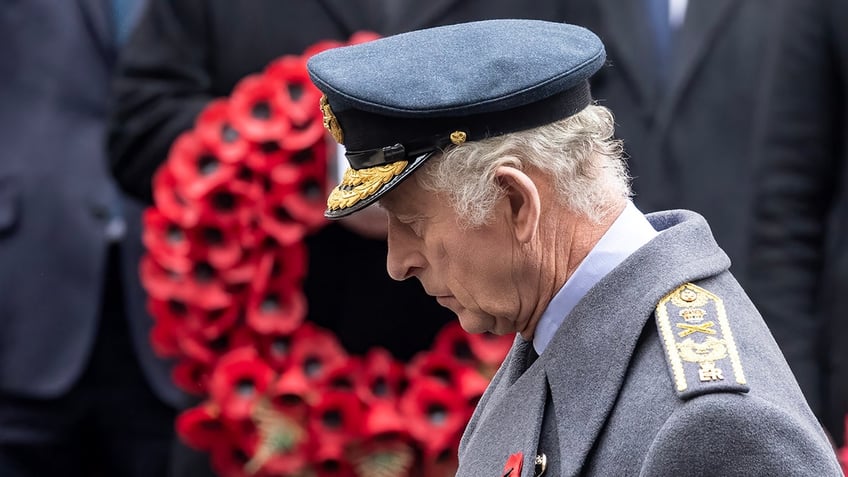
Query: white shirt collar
[[677, 12], [627, 234]]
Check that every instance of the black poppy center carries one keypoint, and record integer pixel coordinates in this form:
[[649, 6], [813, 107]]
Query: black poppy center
[[312, 366], [270, 304], [228, 133], [223, 201], [245, 387], [380, 387], [174, 234], [280, 346], [207, 164], [261, 110], [332, 418], [437, 414]]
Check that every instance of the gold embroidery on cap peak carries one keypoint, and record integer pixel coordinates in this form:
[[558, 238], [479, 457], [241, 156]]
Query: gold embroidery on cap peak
[[458, 137], [706, 344], [358, 185], [331, 123]]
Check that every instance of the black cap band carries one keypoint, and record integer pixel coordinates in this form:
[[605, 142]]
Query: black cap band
[[367, 134]]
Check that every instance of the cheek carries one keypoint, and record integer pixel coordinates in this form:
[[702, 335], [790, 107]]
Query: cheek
[[486, 279]]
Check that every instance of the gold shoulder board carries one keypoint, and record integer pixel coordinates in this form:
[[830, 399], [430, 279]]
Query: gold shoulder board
[[699, 345]]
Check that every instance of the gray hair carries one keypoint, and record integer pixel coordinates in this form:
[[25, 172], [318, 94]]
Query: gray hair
[[578, 152]]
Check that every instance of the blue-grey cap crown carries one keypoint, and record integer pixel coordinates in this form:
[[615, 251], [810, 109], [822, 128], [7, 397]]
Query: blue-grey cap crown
[[458, 70]]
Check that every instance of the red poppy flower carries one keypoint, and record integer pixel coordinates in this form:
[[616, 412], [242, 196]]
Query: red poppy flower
[[202, 350], [316, 351], [229, 460], [489, 348], [163, 334], [307, 203], [166, 240], [442, 367], [513, 465], [188, 319], [346, 376], [256, 110], [444, 462], [293, 393], [191, 376], [215, 131], [218, 244], [205, 287], [237, 381], [472, 385], [299, 99], [383, 377], [384, 420], [337, 417], [238, 277], [200, 287], [330, 460], [278, 222], [452, 340], [275, 349], [200, 427], [170, 200], [160, 282], [263, 157], [278, 309], [223, 205], [277, 304], [196, 167], [435, 414]]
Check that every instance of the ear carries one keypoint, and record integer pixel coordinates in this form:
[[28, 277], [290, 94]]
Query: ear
[[524, 203]]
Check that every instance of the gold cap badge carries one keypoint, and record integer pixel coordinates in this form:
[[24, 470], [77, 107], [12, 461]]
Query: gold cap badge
[[330, 122]]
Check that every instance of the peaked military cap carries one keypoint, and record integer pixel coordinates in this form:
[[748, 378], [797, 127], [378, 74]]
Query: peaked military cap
[[396, 101]]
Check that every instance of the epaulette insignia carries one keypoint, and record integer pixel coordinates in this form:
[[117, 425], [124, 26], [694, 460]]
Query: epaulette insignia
[[699, 345]]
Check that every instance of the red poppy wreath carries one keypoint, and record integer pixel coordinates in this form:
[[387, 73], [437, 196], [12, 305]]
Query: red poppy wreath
[[223, 271]]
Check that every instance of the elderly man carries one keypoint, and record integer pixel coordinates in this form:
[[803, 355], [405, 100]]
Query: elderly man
[[636, 353]]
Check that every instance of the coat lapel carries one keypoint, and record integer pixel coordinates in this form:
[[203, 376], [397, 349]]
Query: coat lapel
[[587, 361], [97, 15], [487, 451], [626, 33], [705, 19]]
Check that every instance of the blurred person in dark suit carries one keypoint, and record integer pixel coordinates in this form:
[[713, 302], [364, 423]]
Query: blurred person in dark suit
[[81, 392], [683, 79], [799, 250]]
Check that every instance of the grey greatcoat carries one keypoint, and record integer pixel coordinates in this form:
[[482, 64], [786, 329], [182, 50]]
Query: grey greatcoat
[[611, 395]]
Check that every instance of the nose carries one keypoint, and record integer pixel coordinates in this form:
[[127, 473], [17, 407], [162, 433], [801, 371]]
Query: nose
[[404, 260]]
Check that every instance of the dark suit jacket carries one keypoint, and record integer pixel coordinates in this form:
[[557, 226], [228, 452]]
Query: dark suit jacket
[[56, 195], [799, 253], [689, 141]]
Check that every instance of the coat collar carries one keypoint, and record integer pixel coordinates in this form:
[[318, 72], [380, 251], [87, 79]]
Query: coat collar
[[587, 360]]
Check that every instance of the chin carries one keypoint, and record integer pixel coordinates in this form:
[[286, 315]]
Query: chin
[[476, 325]]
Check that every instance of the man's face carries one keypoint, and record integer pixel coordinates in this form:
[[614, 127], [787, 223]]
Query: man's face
[[472, 271]]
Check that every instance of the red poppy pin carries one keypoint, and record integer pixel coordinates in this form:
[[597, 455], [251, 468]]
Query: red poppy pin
[[513, 465]]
